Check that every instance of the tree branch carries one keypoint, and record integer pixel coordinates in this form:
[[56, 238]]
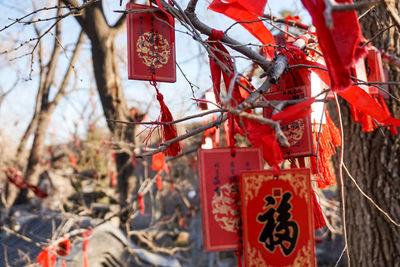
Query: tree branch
[[71, 66]]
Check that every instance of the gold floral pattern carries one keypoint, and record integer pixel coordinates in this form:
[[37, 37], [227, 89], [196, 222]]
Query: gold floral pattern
[[225, 207], [255, 258], [253, 185], [153, 49], [294, 131], [304, 256]]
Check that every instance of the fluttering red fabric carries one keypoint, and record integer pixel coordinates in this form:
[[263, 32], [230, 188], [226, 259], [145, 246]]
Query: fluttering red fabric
[[47, 257], [15, 177], [248, 12], [294, 112], [258, 134], [341, 44], [363, 102], [158, 162]]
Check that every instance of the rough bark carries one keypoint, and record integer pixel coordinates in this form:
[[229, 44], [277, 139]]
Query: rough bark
[[373, 160]]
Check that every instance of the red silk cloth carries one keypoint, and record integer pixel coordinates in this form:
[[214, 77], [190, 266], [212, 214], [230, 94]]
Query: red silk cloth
[[259, 135], [15, 177], [340, 45], [356, 96], [248, 12]]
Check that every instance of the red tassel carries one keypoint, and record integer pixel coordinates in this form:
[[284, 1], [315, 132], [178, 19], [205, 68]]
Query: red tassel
[[334, 131], [141, 203], [64, 247], [47, 257], [319, 219], [85, 247], [238, 254], [159, 182], [113, 179], [169, 131], [171, 186], [367, 123]]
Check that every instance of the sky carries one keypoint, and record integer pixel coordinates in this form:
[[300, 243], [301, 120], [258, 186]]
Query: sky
[[17, 108]]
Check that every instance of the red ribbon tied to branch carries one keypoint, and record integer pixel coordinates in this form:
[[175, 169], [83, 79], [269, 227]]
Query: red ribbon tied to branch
[[247, 12], [340, 43], [15, 177]]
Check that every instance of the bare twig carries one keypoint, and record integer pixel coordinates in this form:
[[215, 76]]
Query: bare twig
[[333, 6], [369, 198], [291, 23]]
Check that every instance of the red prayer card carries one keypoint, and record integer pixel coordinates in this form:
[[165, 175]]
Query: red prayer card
[[219, 193], [277, 218], [298, 132], [151, 45]]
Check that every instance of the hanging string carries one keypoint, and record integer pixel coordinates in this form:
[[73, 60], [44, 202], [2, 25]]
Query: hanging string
[[341, 181], [232, 140]]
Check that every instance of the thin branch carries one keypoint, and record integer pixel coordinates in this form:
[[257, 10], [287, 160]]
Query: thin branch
[[333, 6], [204, 29], [354, 6], [170, 122], [378, 34], [369, 198], [71, 67], [274, 124], [291, 23]]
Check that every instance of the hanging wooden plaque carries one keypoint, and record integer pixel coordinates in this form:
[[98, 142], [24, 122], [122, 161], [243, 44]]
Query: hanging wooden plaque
[[277, 218], [219, 194], [298, 132], [151, 44]]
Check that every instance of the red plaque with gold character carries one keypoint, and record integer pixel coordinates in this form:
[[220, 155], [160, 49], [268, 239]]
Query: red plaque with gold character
[[277, 218], [219, 193], [298, 132], [151, 44]]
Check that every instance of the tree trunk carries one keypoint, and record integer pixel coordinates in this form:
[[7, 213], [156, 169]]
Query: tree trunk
[[44, 109], [102, 37], [373, 160], [35, 167], [115, 108]]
